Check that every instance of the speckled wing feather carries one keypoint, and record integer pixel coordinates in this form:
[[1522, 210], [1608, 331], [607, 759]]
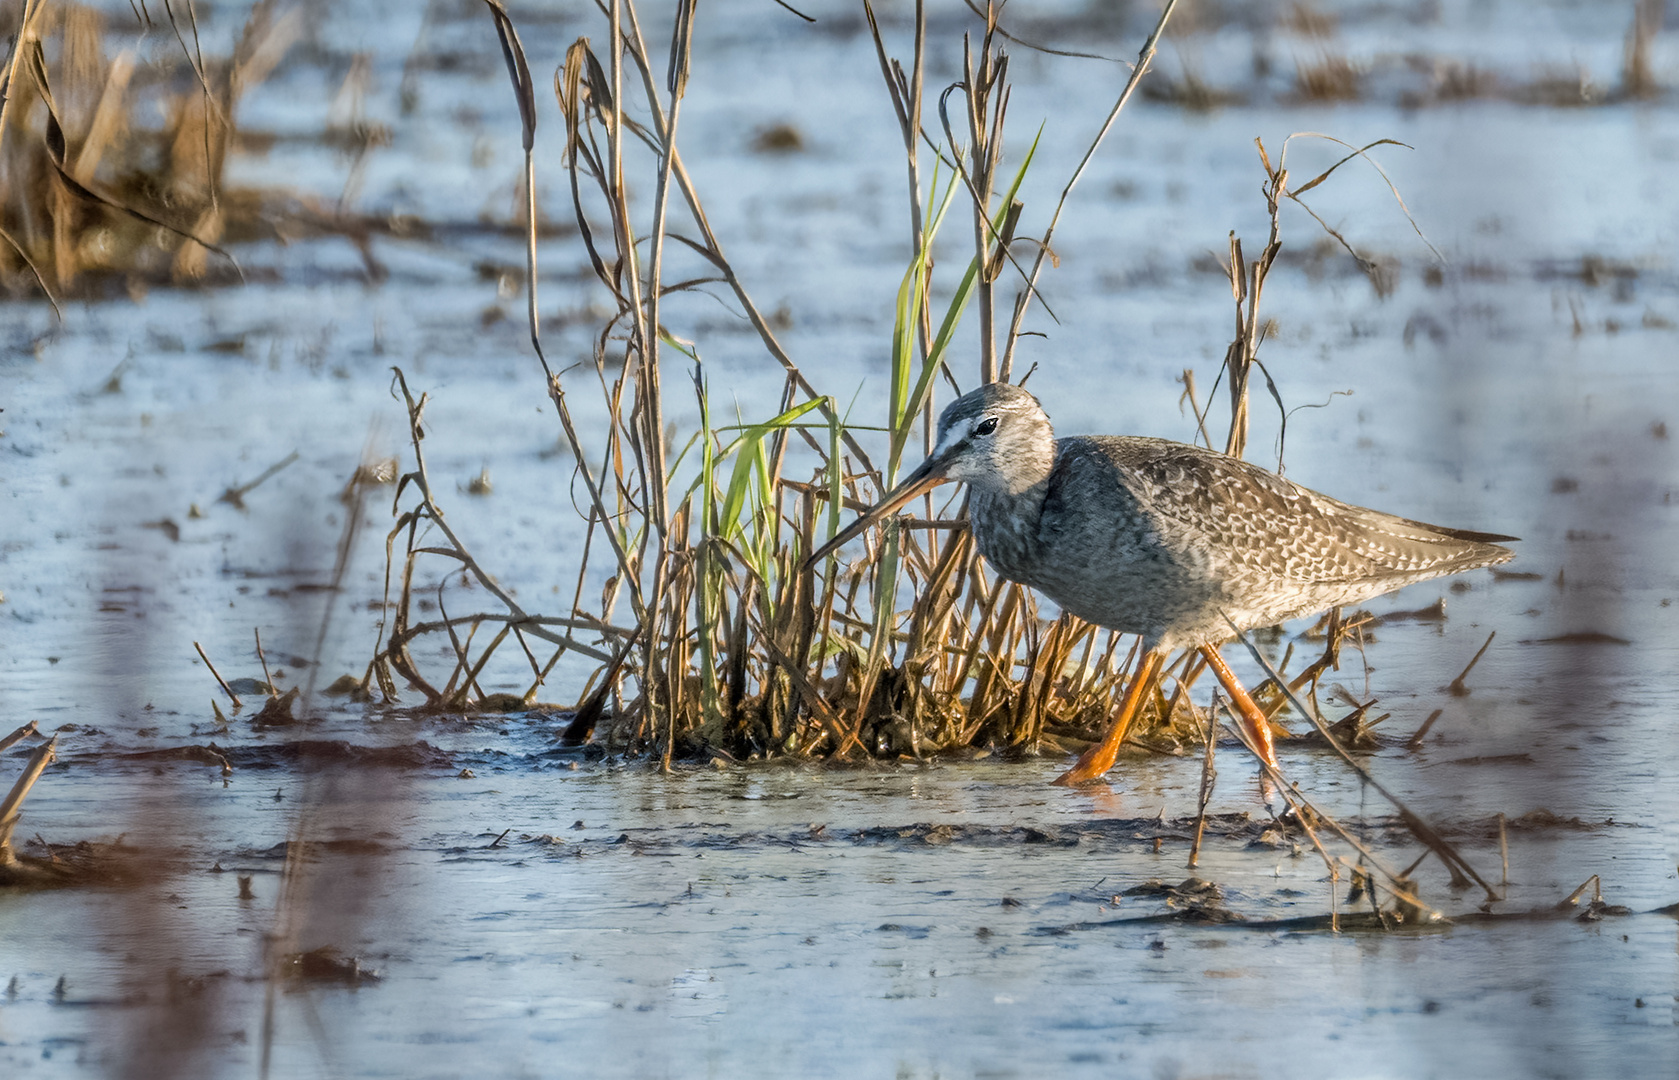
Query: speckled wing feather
[[1167, 540], [1260, 522]]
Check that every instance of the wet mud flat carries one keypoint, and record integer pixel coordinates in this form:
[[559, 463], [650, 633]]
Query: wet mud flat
[[528, 912]]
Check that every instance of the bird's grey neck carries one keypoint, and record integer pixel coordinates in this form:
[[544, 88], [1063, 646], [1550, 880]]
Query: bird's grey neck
[[1005, 514], [1028, 465]]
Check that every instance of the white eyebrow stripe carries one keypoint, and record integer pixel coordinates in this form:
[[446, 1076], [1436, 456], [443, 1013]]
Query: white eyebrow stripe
[[953, 435]]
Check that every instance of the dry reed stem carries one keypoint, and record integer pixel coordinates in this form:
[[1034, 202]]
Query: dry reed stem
[[906, 92], [1247, 281], [1306, 811], [219, 680], [1209, 777], [17, 736], [1024, 298], [39, 759], [401, 631], [1594, 883], [1638, 77], [267, 679], [1503, 852], [1457, 687]]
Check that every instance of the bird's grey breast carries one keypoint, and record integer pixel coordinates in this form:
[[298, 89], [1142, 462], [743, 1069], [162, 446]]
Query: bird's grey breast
[[1087, 537], [1005, 528]]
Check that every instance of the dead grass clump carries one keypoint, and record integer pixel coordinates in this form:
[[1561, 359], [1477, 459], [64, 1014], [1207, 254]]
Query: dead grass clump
[[1190, 91], [1331, 77], [95, 189], [1560, 87], [778, 139], [713, 634], [1306, 20], [1455, 80], [1638, 78]]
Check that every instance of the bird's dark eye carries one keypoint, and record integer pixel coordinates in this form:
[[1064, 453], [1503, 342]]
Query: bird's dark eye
[[986, 426]]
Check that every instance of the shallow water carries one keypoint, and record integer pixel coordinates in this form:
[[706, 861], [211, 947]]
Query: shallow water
[[727, 934], [954, 919]]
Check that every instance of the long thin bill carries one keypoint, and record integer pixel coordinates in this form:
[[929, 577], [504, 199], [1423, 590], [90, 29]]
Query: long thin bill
[[924, 479]]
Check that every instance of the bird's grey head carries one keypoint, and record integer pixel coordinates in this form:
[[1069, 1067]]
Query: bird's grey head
[[997, 438]]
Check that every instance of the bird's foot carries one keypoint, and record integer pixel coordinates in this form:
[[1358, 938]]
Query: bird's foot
[[1093, 764]]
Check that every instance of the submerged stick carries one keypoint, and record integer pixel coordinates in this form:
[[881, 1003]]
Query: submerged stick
[[235, 496], [43, 756], [202, 656], [1209, 776], [18, 736], [1415, 741], [266, 677], [1457, 687]]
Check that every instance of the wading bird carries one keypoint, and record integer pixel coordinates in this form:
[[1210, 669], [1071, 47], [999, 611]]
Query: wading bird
[[1164, 540]]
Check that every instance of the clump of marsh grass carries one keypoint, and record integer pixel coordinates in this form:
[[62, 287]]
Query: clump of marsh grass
[[1330, 76], [712, 635], [1638, 77], [1454, 80]]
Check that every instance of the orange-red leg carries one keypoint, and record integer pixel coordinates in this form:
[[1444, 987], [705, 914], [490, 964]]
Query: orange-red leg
[[1100, 758], [1252, 717]]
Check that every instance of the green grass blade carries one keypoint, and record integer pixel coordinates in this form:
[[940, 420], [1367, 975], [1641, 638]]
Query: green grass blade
[[957, 307]]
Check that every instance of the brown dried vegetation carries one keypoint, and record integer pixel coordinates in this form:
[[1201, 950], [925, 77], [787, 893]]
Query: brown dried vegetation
[[95, 195], [1329, 77]]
